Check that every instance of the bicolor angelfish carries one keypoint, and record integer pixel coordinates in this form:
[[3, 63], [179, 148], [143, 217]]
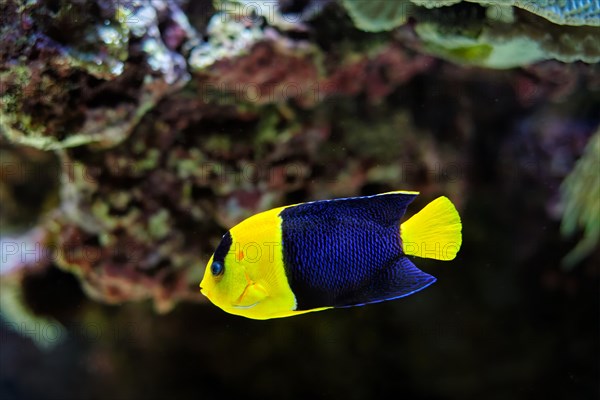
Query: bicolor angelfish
[[327, 254]]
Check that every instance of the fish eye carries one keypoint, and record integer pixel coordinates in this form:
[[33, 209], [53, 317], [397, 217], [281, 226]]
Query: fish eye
[[217, 268]]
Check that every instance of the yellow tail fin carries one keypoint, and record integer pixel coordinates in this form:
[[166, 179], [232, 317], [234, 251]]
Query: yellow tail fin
[[434, 232]]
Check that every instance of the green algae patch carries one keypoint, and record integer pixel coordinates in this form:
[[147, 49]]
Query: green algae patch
[[581, 197], [378, 15]]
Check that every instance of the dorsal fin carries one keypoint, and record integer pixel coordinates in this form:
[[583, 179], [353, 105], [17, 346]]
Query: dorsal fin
[[385, 209]]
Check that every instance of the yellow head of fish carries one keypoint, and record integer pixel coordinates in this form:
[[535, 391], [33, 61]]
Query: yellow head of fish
[[246, 276], [228, 286]]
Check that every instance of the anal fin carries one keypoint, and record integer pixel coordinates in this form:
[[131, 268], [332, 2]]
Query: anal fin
[[400, 279]]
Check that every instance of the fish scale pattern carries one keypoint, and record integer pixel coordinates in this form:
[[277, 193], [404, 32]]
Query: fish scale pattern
[[335, 249]]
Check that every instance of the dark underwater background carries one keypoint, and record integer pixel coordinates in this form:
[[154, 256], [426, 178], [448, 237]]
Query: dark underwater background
[[133, 135]]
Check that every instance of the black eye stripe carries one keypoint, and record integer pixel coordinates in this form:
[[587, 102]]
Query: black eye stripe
[[223, 247], [217, 268]]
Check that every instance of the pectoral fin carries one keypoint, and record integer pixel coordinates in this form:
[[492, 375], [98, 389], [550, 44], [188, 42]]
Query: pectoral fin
[[252, 295]]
